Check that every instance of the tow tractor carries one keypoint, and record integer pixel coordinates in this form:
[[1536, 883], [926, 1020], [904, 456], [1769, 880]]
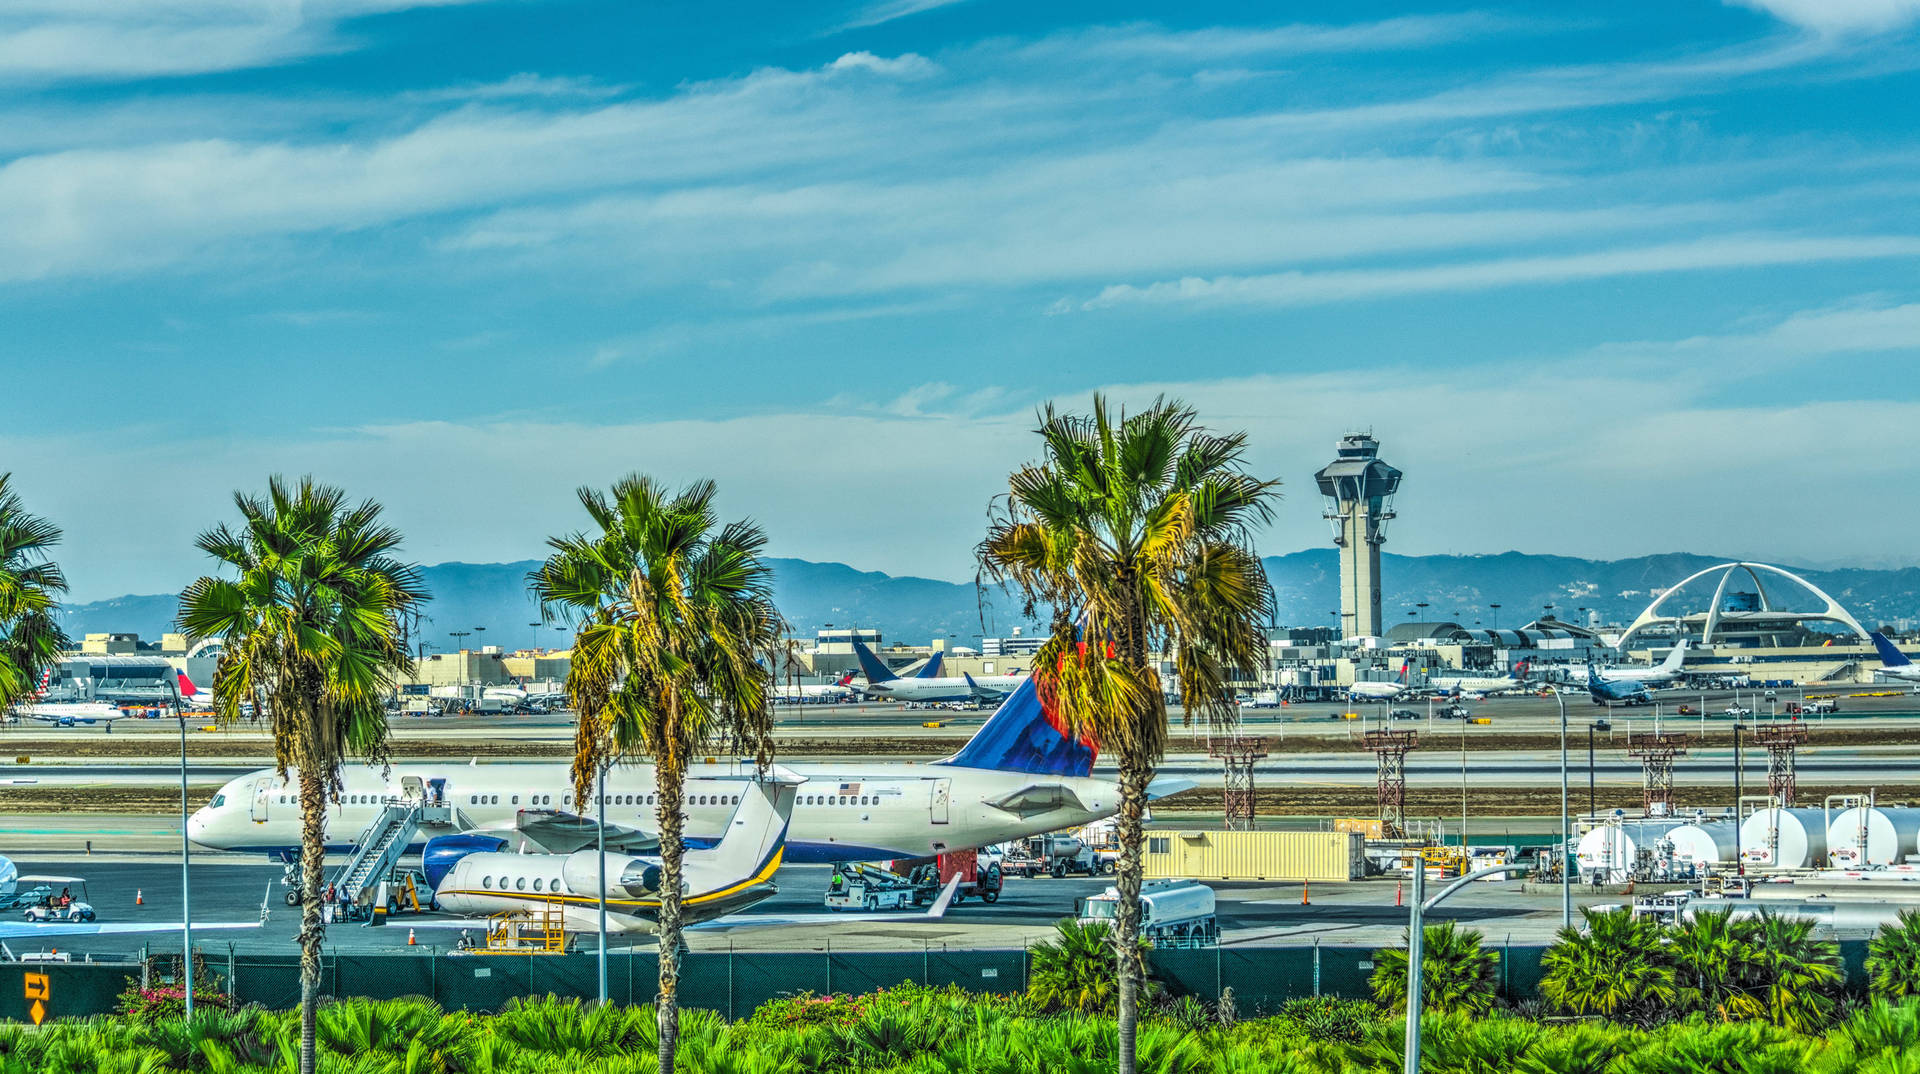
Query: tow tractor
[[876, 887], [62, 905]]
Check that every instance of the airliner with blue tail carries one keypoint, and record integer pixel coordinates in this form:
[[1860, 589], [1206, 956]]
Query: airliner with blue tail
[[1021, 774], [1893, 662], [929, 685]]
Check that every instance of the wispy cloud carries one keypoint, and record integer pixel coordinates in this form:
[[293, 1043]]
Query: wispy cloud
[[1312, 288], [46, 41], [1841, 16], [890, 10]]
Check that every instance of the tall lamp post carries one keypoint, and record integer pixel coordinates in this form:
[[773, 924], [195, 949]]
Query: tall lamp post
[[1566, 824], [1416, 946], [186, 856], [1496, 615], [600, 840]]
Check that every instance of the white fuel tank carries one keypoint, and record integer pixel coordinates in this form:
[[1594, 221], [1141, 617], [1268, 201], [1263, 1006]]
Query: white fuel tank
[[1785, 839], [1870, 835]]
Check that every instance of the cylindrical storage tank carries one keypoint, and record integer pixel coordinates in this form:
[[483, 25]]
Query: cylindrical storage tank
[[1698, 848], [1785, 839], [1869, 835], [1606, 855]]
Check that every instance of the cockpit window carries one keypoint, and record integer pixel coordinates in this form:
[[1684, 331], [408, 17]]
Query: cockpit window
[[218, 801]]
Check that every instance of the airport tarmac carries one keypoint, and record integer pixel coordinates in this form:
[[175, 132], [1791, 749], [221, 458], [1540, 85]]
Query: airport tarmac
[[234, 891]]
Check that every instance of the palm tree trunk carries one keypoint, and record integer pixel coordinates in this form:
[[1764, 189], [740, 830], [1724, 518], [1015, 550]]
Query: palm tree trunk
[[1134, 775], [313, 853], [670, 780]]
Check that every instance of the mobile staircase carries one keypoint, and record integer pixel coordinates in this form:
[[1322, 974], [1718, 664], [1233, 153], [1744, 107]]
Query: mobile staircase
[[380, 847]]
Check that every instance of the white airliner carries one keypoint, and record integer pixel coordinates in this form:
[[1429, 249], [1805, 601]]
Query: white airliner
[[1479, 684], [1894, 663], [71, 713], [1659, 675], [882, 682], [1019, 775], [1363, 690], [736, 873], [817, 693]]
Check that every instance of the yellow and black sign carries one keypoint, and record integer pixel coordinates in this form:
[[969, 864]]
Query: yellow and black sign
[[39, 990]]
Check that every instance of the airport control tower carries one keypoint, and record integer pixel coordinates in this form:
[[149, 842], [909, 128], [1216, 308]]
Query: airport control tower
[[1359, 492]]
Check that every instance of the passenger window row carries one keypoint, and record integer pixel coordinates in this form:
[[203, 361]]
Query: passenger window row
[[520, 884]]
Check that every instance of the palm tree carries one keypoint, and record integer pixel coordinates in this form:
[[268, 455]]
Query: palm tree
[[1612, 967], [311, 619], [1796, 976], [675, 646], [1076, 970], [30, 588], [1712, 957], [1893, 959], [1134, 533], [1456, 973]]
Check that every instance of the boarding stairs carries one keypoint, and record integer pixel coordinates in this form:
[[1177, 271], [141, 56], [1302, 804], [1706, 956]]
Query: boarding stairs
[[380, 847]]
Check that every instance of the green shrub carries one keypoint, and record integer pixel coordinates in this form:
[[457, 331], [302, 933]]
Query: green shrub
[[1611, 968], [1330, 1018], [1456, 973], [1893, 959], [1077, 970]]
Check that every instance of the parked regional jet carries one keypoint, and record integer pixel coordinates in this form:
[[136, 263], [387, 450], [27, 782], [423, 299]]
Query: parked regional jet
[[1893, 662], [1622, 692], [1659, 675], [1455, 685], [1021, 774], [882, 682], [818, 693], [1363, 690], [734, 874], [71, 713]]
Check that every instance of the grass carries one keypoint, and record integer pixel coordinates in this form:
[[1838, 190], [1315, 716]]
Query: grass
[[916, 1030]]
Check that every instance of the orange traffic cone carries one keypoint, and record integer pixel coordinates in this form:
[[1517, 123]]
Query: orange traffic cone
[[1306, 899], [410, 940], [138, 898], [1400, 893]]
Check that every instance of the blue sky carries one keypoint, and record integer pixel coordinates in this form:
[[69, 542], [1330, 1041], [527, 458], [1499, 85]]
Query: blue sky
[[1605, 280]]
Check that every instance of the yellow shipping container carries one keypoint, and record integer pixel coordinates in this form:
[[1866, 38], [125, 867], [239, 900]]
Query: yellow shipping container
[[1219, 855]]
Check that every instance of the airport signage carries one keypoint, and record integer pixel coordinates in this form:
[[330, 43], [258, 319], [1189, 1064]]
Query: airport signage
[[39, 991]]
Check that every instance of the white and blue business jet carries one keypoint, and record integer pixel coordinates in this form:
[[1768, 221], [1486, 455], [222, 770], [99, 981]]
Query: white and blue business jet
[[1020, 775]]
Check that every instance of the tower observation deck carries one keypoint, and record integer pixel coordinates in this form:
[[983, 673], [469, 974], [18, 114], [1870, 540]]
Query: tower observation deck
[[1359, 489]]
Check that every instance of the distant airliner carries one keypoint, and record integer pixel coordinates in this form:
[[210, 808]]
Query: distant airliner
[[1659, 675], [882, 682], [1893, 662]]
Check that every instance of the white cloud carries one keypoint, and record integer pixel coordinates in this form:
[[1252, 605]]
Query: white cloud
[[890, 10], [97, 40], [1313, 288], [1218, 44], [905, 65], [1534, 429], [1840, 16]]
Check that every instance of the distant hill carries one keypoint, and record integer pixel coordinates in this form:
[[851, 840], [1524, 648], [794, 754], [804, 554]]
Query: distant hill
[[913, 610]]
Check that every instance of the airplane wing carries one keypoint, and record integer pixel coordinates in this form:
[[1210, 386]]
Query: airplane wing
[[554, 831], [24, 929], [1167, 786], [1037, 798]]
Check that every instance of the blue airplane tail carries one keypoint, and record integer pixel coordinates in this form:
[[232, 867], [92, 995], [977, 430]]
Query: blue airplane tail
[[1890, 655], [873, 667], [1021, 736], [931, 669]]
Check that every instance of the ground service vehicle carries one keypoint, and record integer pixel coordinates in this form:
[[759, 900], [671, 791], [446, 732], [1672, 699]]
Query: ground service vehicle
[[1173, 913], [63, 898]]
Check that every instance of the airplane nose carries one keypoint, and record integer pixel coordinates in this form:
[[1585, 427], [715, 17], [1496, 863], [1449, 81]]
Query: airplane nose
[[197, 826]]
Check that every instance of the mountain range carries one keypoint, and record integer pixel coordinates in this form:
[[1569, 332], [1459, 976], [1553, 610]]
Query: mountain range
[[490, 601]]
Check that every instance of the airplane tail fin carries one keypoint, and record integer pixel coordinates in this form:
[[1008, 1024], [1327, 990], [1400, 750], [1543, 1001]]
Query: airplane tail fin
[[756, 835], [1520, 670], [1890, 654], [873, 667], [188, 691], [1674, 656], [931, 669], [1404, 666], [845, 680], [1022, 735]]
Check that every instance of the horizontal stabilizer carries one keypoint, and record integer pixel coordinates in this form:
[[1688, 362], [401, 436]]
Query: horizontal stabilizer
[[1036, 798], [554, 831], [1168, 786]]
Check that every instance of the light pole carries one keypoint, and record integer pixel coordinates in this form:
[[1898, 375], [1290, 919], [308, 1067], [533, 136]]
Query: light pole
[[186, 857], [1566, 824], [600, 841], [535, 628], [1416, 946]]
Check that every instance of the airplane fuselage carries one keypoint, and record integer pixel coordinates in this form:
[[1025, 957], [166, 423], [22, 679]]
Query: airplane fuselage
[[991, 687], [867, 813]]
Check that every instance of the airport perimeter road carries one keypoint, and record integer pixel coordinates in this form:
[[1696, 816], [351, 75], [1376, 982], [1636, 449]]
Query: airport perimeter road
[[233, 893]]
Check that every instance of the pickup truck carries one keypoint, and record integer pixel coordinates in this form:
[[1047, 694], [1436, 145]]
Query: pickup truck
[[1737, 712]]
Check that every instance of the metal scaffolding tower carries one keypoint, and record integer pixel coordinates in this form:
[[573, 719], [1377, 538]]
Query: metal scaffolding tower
[[1238, 755], [1391, 748], [1781, 741], [1656, 751]]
